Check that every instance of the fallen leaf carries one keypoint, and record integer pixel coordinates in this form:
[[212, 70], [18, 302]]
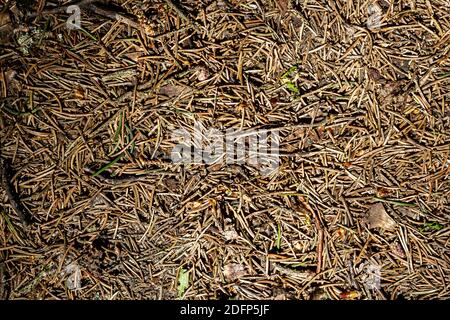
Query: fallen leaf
[[134, 56], [378, 218], [382, 192], [349, 295], [79, 93], [397, 249], [283, 5], [234, 271], [73, 272], [5, 27], [5, 19], [172, 91], [202, 74]]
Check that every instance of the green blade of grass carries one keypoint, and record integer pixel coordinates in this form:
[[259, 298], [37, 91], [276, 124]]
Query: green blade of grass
[[278, 242], [396, 202], [107, 166], [88, 34]]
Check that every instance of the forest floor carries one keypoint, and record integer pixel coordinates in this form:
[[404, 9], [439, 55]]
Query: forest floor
[[93, 205]]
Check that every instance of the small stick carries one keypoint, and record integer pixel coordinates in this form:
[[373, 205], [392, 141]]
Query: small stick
[[320, 234], [12, 197], [129, 178], [2, 282]]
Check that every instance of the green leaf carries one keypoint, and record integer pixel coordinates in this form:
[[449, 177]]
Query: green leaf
[[183, 282], [431, 226]]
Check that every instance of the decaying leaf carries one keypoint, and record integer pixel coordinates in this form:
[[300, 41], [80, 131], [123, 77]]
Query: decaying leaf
[[233, 271], [202, 74], [349, 295], [230, 234], [5, 20], [229, 231], [283, 5], [173, 91], [409, 212], [5, 27], [377, 217], [73, 273], [396, 248]]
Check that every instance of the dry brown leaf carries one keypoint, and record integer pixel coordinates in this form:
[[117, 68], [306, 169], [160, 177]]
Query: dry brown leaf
[[5, 19], [377, 217], [172, 91], [5, 27], [233, 271], [383, 192], [134, 56], [79, 93], [283, 5]]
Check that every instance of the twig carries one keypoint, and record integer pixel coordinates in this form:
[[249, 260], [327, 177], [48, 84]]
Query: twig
[[2, 281], [113, 15], [128, 178], [320, 234], [12, 197]]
